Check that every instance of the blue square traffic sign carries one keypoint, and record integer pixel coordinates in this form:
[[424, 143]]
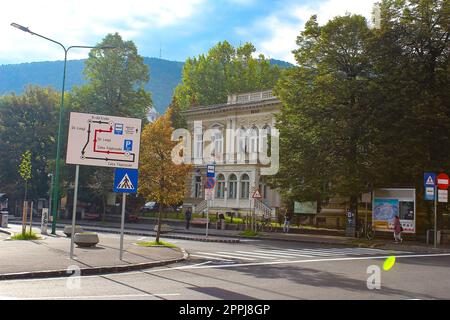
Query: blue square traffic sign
[[211, 170], [118, 128], [128, 145], [429, 179], [126, 180]]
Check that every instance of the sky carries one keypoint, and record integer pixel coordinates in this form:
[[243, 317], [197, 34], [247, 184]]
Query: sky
[[172, 29]]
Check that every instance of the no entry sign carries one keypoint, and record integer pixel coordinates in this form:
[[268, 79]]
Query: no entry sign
[[442, 181]]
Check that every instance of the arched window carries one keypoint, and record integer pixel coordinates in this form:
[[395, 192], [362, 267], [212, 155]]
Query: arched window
[[220, 187], [232, 187], [245, 186]]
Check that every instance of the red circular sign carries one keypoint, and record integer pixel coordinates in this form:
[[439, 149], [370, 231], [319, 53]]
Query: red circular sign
[[442, 181]]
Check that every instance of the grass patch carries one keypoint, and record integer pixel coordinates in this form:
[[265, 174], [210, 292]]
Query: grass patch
[[249, 233], [157, 244], [26, 236]]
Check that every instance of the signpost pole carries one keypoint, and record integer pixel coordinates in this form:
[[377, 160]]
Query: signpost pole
[[435, 216], [207, 217], [74, 212], [122, 224]]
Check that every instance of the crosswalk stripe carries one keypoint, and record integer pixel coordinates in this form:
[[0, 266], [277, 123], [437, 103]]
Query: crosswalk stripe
[[207, 257], [286, 254], [332, 252], [256, 254], [227, 255], [311, 252]]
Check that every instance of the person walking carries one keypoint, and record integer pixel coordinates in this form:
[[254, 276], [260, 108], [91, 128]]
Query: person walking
[[287, 221], [398, 230], [188, 217]]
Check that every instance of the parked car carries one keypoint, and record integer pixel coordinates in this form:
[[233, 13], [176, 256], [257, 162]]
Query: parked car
[[151, 206]]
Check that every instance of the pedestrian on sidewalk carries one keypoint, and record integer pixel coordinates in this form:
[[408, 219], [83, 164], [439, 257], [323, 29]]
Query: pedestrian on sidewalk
[[398, 230], [188, 217], [287, 221]]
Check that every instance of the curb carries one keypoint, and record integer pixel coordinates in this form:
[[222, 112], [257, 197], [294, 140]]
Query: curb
[[92, 271], [6, 232]]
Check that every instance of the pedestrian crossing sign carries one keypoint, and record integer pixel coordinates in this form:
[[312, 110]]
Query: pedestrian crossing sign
[[126, 180]]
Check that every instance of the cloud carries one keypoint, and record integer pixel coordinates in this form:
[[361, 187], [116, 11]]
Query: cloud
[[281, 28], [77, 22]]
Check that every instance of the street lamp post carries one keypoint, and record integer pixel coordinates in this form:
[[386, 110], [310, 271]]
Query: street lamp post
[[55, 185]]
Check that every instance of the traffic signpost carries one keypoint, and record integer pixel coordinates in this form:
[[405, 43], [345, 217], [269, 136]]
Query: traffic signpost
[[436, 188], [125, 181], [209, 190], [103, 141]]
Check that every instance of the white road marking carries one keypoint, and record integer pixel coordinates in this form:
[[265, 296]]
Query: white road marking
[[256, 255], [430, 255], [206, 257], [104, 297], [229, 255], [285, 254]]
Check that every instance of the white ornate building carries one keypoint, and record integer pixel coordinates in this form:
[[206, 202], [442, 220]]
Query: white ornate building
[[235, 133]]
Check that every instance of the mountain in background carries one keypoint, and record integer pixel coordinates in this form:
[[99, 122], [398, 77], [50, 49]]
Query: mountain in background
[[165, 75]]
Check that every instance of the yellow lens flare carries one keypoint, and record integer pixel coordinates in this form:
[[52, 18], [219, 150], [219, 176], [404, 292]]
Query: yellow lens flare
[[389, 263]]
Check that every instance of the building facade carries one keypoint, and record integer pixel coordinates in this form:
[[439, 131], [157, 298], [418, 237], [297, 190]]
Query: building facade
[[234, 136]]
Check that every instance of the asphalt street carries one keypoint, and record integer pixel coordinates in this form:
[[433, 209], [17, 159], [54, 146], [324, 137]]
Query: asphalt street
[[257, 269]]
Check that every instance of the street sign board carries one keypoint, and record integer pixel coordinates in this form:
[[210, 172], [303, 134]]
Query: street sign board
[[443, 196], [429, 179], [126, 180], [256, 194], [210, 182], [429, 193], [442, 181], [104, 141], [211, 170]]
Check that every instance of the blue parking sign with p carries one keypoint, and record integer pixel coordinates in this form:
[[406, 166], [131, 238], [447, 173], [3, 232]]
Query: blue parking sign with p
[[128, 145]]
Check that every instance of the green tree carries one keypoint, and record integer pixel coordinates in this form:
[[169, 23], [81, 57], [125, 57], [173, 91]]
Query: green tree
[[209, 79], [161, 180], [25, 170], [116, 80], [28, 123], [325, 124], [366, 108]]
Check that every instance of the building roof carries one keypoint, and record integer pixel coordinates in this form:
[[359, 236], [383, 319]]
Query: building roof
[[237, 102]]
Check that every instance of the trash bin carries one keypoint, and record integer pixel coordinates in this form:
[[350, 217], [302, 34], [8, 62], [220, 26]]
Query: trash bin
[[4, 220]]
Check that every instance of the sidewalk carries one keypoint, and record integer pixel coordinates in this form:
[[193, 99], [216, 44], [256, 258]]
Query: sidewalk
[[198, 234], [50, 257]]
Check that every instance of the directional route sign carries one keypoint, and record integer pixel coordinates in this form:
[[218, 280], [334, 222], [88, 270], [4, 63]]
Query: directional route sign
[[104, 141], [126, 180]]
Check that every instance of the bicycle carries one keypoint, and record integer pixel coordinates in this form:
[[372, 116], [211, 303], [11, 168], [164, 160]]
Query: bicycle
[[366, 231], [264, 225]]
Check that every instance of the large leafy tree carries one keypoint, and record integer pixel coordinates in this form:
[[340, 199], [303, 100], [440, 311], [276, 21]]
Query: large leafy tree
[[411, 54], [367, 108], [27, 123], [161, 179], [116, 79], [325, 126], [208, 79]]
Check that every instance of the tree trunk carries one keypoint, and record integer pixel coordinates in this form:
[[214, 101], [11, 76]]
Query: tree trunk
[[159, 223], [104, 208]]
